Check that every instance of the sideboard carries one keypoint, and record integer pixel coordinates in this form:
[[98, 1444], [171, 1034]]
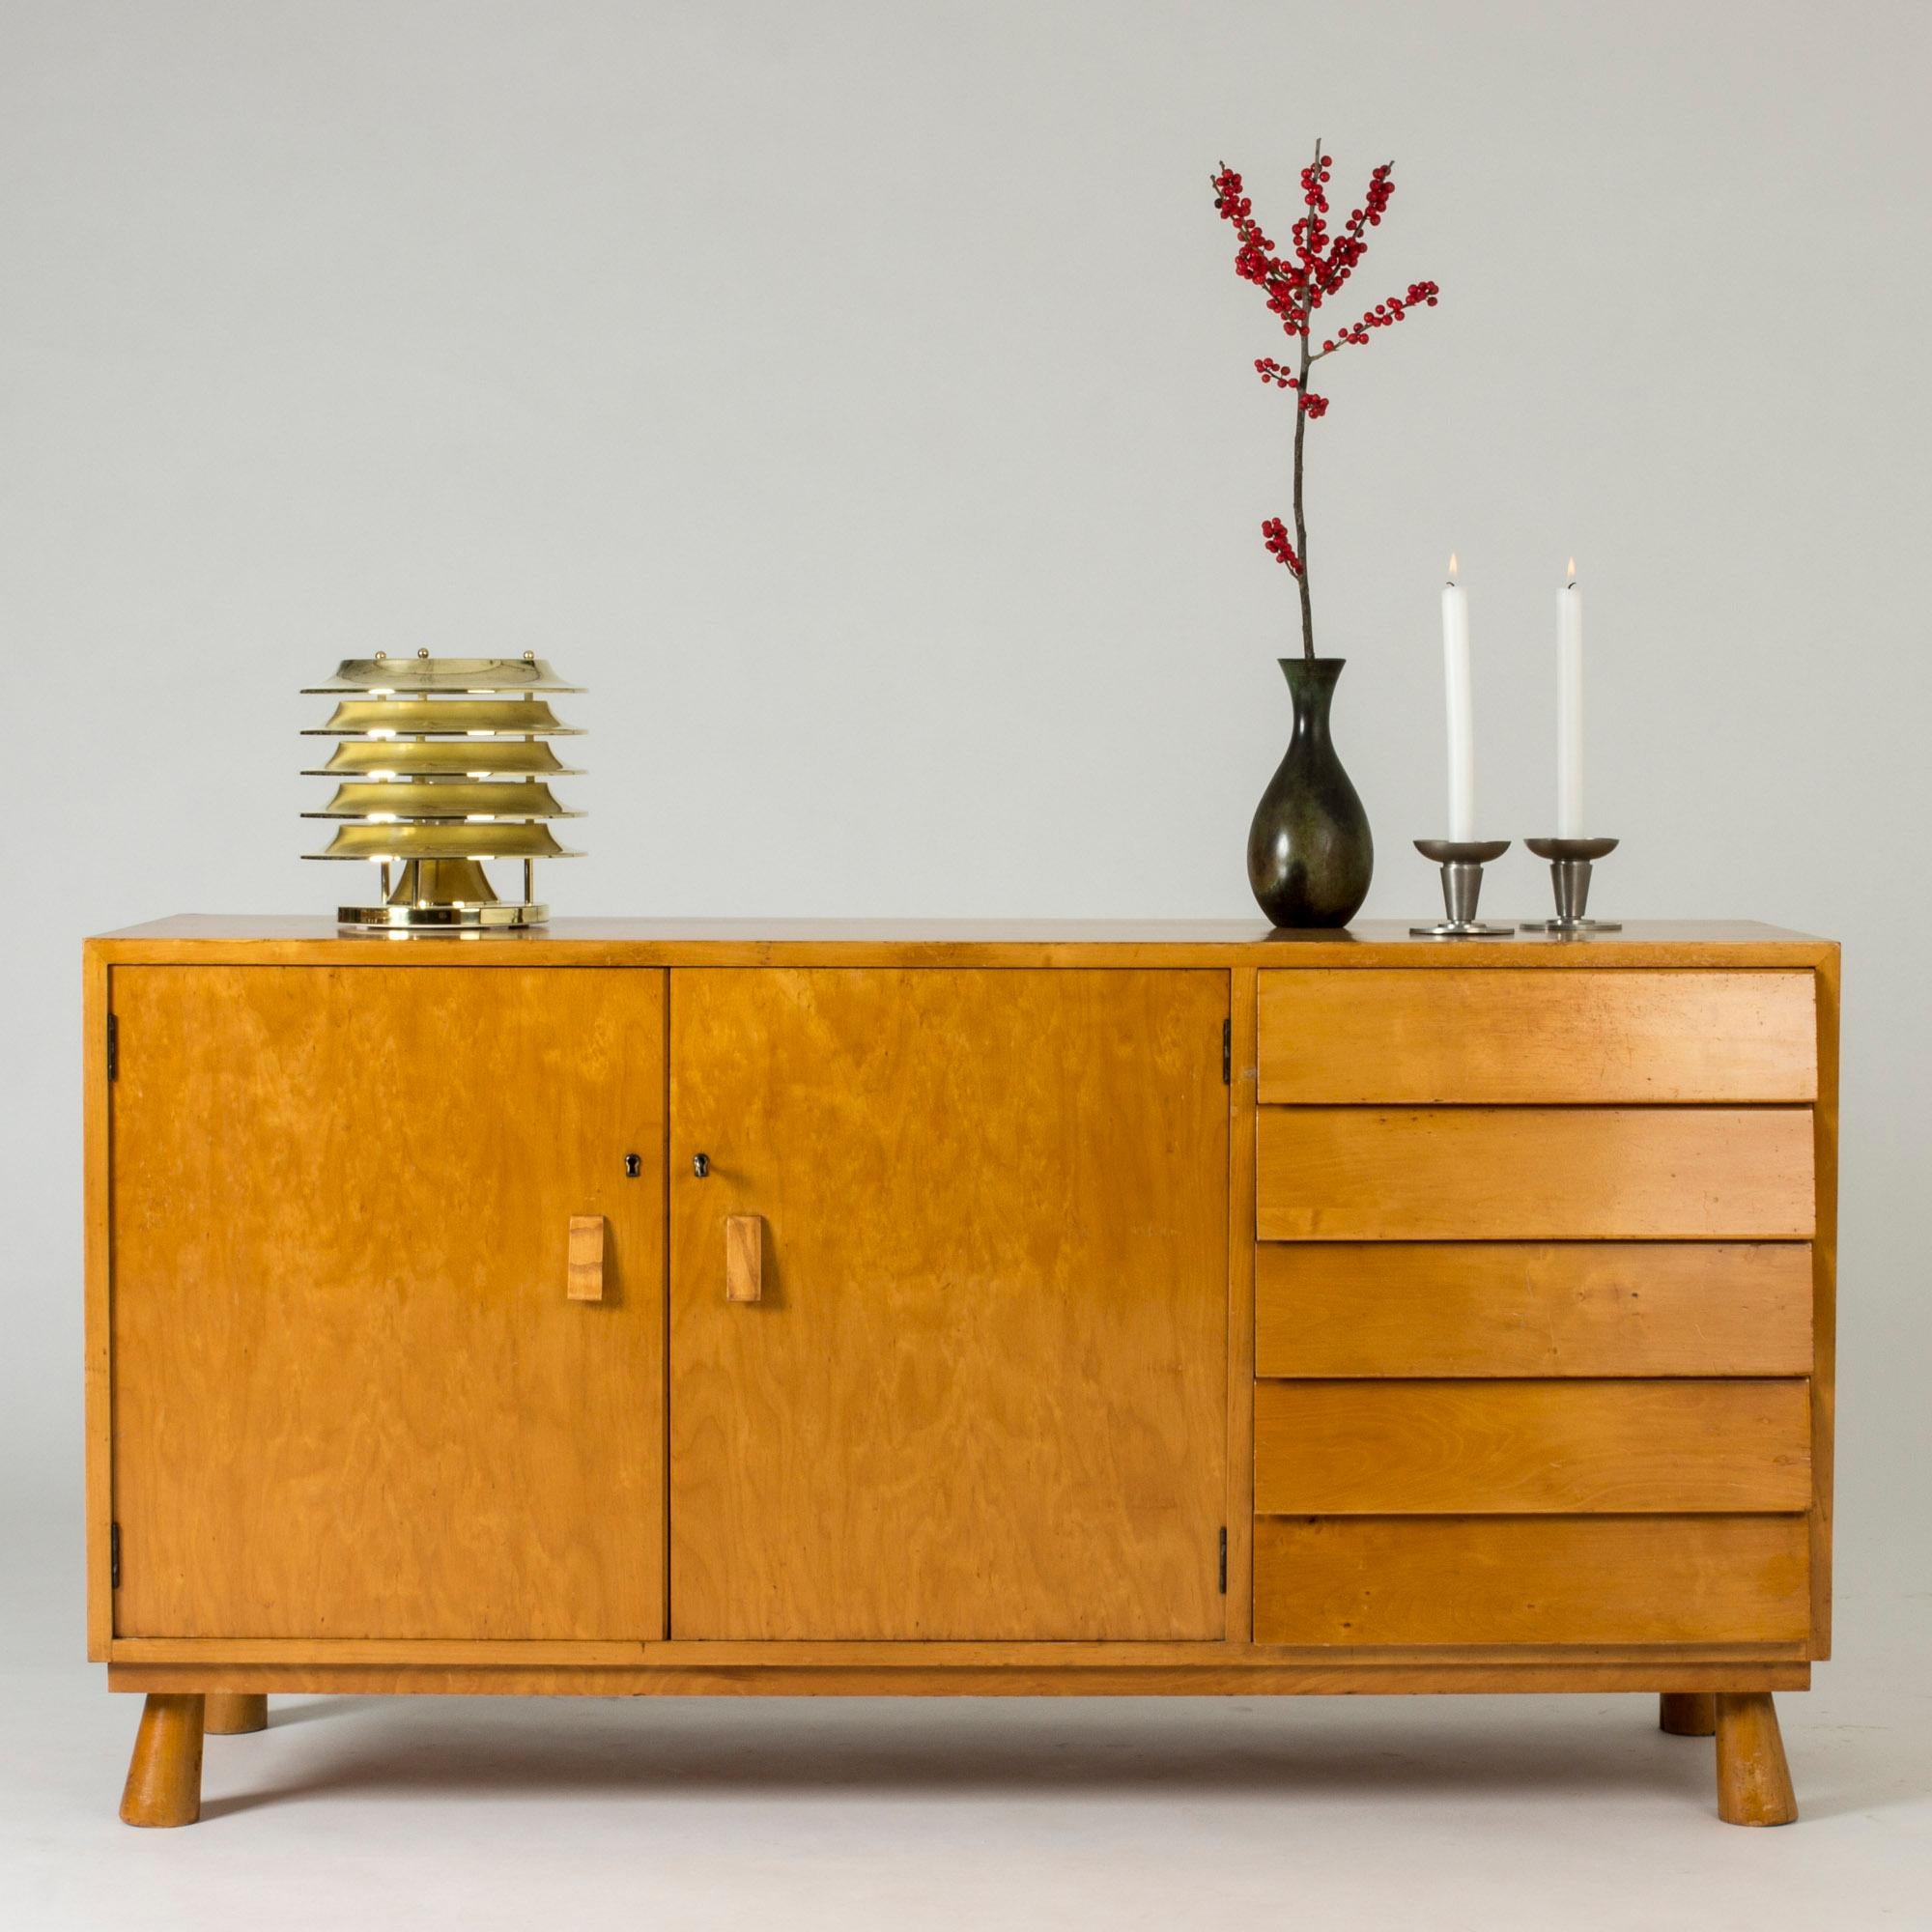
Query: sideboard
[[673, 1307]]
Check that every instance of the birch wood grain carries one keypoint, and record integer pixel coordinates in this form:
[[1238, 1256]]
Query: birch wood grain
[[351, 1397], [1531, 1580], [1487, 1173], [1493, 1038], [1670, 1447], [983, 1394], [1379, 1308]]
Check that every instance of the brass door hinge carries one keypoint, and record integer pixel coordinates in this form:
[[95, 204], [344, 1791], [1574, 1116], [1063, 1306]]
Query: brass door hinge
[[114, 1555], [1224, 1560], [1227, 1051], [113, 1046]]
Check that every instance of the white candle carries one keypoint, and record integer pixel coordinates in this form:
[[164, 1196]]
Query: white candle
[[1569, 708], [1462, 718]]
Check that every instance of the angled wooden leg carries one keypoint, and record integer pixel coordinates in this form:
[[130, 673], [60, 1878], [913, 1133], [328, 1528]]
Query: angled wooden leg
[[1753, 1779], [164, 1776], [231, 1713], [1684, 1714]]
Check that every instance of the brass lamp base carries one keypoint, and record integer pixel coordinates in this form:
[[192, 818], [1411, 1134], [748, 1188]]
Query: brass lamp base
[[441, 918], [444, 896]]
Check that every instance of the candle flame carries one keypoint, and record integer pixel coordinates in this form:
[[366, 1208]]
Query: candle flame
[[1452, 566], [1570, 568]]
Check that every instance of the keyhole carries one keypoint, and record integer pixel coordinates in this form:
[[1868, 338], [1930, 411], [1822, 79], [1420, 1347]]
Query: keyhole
[[700, 1165], [634, 1165]]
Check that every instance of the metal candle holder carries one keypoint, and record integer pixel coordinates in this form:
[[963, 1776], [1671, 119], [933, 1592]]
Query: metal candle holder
[[1570, 863], [1461, 860], [442, 766]]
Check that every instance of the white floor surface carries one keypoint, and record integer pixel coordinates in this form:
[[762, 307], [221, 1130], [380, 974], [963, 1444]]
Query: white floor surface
[[355, 1815]]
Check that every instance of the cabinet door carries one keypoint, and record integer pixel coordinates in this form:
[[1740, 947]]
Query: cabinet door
[[981, 1392], [351, 1398]]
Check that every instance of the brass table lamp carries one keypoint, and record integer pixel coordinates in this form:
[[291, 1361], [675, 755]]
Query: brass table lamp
[[442, 765]]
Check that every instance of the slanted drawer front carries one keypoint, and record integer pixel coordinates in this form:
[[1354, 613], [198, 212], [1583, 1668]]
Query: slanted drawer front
[[1489, 1174], [1529, 1580], [1533, 1308], [1505, 1036], [1528, 1447]]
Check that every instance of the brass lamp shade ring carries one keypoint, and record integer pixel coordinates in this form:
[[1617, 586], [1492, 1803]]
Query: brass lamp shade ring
[[454, 676], [443, 718], [434, 799], [443, 757]]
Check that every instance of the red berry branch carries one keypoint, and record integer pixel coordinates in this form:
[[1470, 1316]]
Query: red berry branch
[[1274, 533], [1318, 264]]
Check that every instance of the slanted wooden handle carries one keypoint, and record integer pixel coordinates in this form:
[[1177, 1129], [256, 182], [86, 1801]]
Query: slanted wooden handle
[[584, 1278], [744, 1256]]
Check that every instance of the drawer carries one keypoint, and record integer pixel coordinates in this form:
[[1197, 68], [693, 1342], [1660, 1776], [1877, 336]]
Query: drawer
[[1532, 1580], [1361, 1448], [1477, 1173], [1533, 1308], [1506, 1037]]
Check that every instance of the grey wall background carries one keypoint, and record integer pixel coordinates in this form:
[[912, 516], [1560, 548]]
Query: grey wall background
[[857, 396]]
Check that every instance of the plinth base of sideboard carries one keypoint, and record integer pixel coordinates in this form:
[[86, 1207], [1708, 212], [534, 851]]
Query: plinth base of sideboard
[[1467, 1677], [1730, 1699]]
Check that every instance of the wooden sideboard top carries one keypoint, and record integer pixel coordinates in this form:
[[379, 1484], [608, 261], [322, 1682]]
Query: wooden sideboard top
[[309, 939]]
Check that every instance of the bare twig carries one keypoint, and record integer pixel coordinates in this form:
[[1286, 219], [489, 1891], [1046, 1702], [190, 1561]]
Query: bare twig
[[1300, 431]]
